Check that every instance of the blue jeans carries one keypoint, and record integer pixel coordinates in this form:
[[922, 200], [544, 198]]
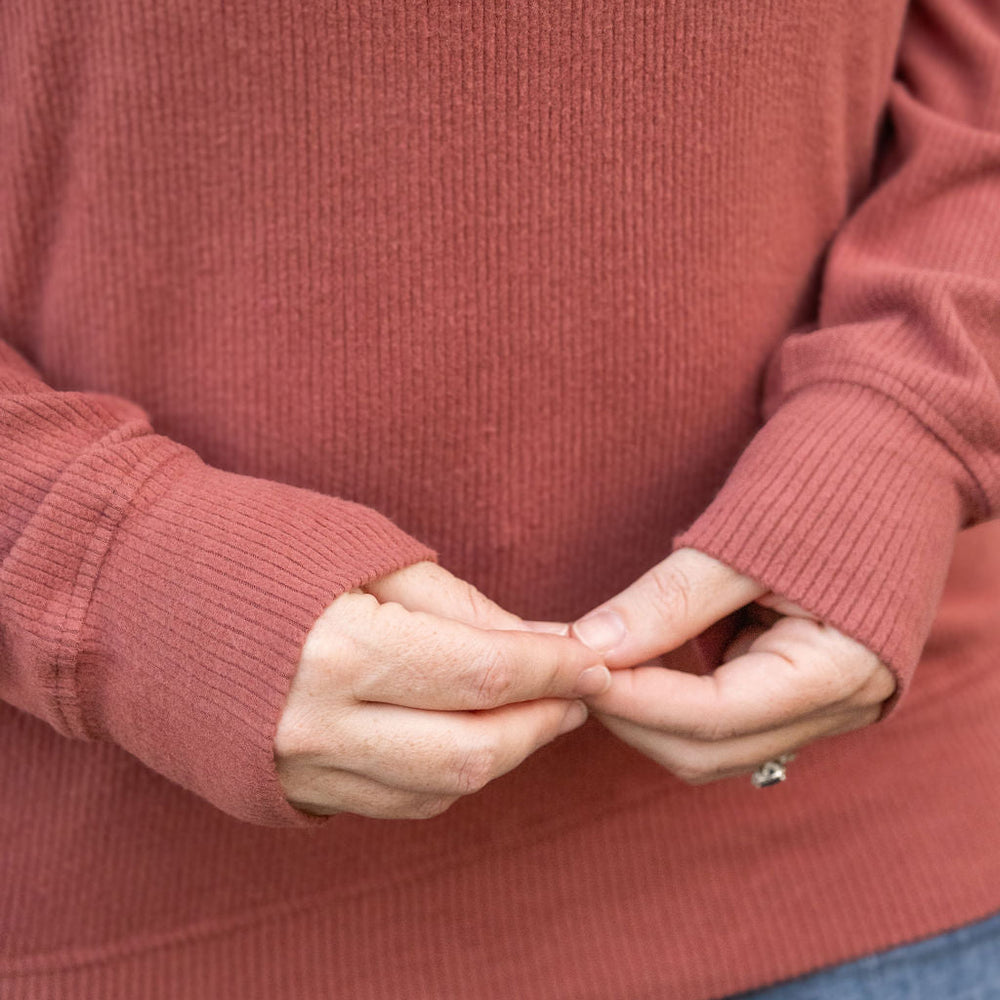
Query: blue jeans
[[960, 965]]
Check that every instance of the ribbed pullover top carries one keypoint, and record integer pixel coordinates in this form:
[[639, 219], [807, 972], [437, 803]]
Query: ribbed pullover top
[[293, 294]]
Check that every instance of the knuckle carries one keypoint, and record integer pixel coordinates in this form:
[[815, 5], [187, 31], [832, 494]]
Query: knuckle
[[298, 738], [858, 680], [671, 593], [293, 739], [692, 773], [842, 669], [691, 765], [476, 604], [473, 602], [875, 682], [329, 647], [493, 679], [816, 668], [476, 767], [712, 728], [429, 807], [834, 679], [883, 684], [309, 735]]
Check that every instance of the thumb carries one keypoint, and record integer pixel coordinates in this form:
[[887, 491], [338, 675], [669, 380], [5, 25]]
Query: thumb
[[673, 602], [426, 586]]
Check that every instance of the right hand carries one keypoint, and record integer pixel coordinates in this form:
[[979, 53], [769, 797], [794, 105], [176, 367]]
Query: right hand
[[416, 690]]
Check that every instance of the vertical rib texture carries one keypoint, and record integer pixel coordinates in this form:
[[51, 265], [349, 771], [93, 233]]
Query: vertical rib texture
[[293, 294], [884, 434], [154, 601]]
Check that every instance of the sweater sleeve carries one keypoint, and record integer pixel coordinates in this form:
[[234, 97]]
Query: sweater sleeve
[[150, 600], [881, 433]]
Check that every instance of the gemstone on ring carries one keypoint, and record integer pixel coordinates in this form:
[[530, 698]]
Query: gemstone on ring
[[771, 772]]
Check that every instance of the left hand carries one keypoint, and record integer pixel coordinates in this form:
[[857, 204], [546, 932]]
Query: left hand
[[787, 679]]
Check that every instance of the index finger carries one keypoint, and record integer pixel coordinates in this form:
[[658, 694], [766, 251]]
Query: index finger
[[796, 670], [436, 663]]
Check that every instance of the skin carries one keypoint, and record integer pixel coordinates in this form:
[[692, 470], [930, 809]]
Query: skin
[[416, 690], [787, 680]]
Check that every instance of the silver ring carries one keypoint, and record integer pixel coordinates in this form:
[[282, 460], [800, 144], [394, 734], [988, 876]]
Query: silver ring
[[772, 772]]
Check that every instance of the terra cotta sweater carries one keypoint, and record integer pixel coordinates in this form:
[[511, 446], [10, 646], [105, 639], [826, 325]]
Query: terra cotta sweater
[[294, 294]]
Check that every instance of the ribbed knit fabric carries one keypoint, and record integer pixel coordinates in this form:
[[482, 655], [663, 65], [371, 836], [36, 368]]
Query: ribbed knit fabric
[[292, 295]]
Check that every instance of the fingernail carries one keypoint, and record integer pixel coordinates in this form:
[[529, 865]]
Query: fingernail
[[575, 716], [601, 631], [551, 628], [594, 680]]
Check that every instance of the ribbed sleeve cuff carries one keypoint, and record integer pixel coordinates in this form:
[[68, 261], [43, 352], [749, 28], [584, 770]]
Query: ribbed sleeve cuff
[[198, 615], [847, 505]]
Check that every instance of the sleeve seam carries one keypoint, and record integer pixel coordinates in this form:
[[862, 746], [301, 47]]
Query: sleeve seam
[[123, 499]]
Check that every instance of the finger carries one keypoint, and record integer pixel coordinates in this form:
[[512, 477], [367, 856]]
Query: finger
[[422, 661], [697, 762], [745, 638], [552, 628], [794, 670], [775, 605], [448, 753], [425, 586], [671, 603], [328, 791]]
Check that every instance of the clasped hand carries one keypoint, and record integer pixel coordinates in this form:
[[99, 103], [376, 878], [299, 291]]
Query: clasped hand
[[786, 679], [416, 689]]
